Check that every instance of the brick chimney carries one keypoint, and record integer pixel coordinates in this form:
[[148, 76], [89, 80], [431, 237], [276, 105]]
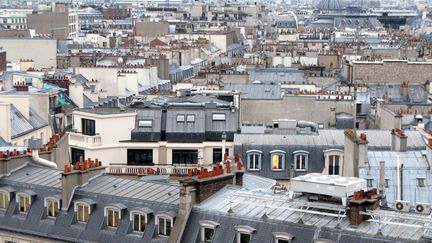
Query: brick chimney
[[399, 140], [365, 201], [77, 175], [404, 87], [199, 187], [355, 153], [21, 86]]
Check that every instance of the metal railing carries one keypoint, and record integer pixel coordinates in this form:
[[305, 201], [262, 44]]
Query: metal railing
[[150, 170], [79, 138]]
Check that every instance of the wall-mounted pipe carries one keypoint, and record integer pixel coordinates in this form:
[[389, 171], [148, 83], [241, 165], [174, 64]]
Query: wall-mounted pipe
[[39, 160]]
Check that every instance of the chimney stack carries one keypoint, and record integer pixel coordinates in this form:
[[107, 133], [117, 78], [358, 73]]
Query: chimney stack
[[404, 86], [382, 181], [399, 140], [355, 153], [77, 175]]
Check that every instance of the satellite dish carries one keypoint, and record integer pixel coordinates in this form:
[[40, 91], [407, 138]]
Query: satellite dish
[[120, 60]]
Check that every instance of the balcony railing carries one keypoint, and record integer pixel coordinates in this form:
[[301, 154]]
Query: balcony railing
[[81, 139], [181, 170]]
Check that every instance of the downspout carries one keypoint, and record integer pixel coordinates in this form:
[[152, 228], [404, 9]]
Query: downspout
[[401, 181], [39, 160]]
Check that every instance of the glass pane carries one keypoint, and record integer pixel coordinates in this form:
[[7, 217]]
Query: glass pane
[[244, 238], [50, 208], [136, 223], [168, 227], [142, 228], [27, 203], [116, 218], [282, 241], [161, 226], [21, 204], [275, 161], [280, 162], [85, 214], [80, 213], [208, 234], [110, 218], [2, 201]]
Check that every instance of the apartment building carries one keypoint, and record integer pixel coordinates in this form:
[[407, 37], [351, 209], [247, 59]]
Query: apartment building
[[167, 131]]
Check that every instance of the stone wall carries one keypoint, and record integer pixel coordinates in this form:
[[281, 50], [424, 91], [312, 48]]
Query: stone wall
[[391, 71]]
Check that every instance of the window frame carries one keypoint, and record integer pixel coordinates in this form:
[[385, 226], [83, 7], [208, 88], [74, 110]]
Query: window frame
[[280, 153], [46, 205], [6, 197], [114, 210], [165, 217], [183, 120], [88, 127], [254, 152], [298, 154], [215, 117], [421, 182], [190, 121], [141, 214], [369, 182], [76, 209], [277, 236], [333, 164], [25, 196], [244, 229], [207, 224], [145, 125]]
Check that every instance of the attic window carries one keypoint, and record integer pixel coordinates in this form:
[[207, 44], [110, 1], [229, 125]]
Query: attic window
[[112, 217], [24, 202], [4, 199], [207, 230], [282, 237], [421, 182], [145, 123], [190, 118], [165, 222], [219, 117], [180, 118], [244, 233], [53, 206]]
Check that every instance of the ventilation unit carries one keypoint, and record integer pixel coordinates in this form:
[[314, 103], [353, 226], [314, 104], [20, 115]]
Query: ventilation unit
[[423, 208], [403, 206]]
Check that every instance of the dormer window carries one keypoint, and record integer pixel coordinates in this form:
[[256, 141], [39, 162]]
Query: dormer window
[[165, 222], [277, 159], [139, 218], [83, 212], [52, 205], [145, 123], [254, 158], [23, 203], [181, 118], [208, 229], [113, 217], [282, 237], [244, 233], [83, 209], [5, 197], [301, 160]]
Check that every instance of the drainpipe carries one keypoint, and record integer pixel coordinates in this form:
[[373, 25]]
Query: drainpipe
[[398, 179], [401, 182], [39, 160]]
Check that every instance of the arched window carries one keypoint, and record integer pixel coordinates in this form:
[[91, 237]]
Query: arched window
[[277, 158], [24, 200], [301, 159], [244, 233], [52, 204], [83, 209], [165, 222], [208, 229], [282, 237], [254, 158], [139, 218]]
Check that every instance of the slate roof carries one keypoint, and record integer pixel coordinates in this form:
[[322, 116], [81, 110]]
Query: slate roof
[[416, 93], [101, 191], [21, 125], [256, 91], [248, 208], [275, 75], [378, 139]]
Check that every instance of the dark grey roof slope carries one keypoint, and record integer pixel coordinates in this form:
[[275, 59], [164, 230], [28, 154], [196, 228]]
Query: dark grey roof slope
[[100, 192], [248, 208]]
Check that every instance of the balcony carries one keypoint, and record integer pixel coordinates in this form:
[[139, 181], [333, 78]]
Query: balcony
[[84, 140], [179, 170]]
